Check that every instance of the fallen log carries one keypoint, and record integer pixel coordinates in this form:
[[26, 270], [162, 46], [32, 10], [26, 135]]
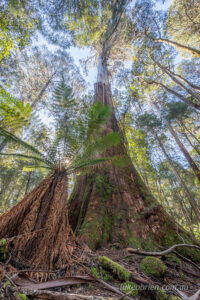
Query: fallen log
[[122, 273]]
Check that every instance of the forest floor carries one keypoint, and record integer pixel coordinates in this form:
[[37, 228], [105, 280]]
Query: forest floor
[[106, 284]]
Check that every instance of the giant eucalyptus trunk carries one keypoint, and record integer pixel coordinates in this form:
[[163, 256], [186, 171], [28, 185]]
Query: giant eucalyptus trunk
[[112, 205], [37, 228]]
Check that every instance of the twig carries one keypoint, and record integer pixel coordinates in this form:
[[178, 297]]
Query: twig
[[161, 253], [9, 279]]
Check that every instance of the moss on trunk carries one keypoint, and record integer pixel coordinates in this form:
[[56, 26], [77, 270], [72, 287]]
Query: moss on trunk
[[113, 204]]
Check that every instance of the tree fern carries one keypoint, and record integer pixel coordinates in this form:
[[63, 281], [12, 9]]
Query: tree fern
[[77, 143]]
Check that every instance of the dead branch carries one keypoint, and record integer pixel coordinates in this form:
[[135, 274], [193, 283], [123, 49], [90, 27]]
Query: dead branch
[[161, 253]]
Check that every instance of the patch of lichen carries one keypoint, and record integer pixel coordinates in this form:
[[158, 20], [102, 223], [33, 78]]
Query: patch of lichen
[[83, 205], [3, 249], [106, 276], [95, 272], [116, 269], [161, 294], [103, 187], [173, 258], [130, 288], [92, 232], [96, 229], [152, 266], [22, 296], [133, 241]]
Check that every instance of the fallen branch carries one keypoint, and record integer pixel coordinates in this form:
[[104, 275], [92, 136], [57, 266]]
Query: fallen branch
[[25, 282], [161, 253]]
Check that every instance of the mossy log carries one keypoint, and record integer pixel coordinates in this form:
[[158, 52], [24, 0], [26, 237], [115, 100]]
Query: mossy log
[[120, 272]]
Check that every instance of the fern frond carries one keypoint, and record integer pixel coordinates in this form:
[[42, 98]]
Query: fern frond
[[28, 157], [13, 138]]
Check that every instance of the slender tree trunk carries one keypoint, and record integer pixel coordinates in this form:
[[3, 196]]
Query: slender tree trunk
[[191, 144], [166, 71], [28, 183], [184, 99], [180, 180], [192, 85], [113, 204], [186, 128], [186, 154], [40, 95], [3, 144], [180, 46]]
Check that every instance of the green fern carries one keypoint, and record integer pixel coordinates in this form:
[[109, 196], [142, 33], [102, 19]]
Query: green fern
[[77, 144], [14, 114]]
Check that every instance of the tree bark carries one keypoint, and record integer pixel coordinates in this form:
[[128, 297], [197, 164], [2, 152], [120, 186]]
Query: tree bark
[[113, 204], [37, 228]]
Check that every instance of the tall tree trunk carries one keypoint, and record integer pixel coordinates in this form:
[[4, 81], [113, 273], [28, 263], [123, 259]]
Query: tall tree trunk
[[180, 46], [113, 204], [169, 73], [40, 95], [3, 144], [186, 154], [180, 180], [37, 228], [186, 128], [175, 93], [191, 144]]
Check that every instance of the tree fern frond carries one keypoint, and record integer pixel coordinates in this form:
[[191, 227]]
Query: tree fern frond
[[13, 138], [28, 157]]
